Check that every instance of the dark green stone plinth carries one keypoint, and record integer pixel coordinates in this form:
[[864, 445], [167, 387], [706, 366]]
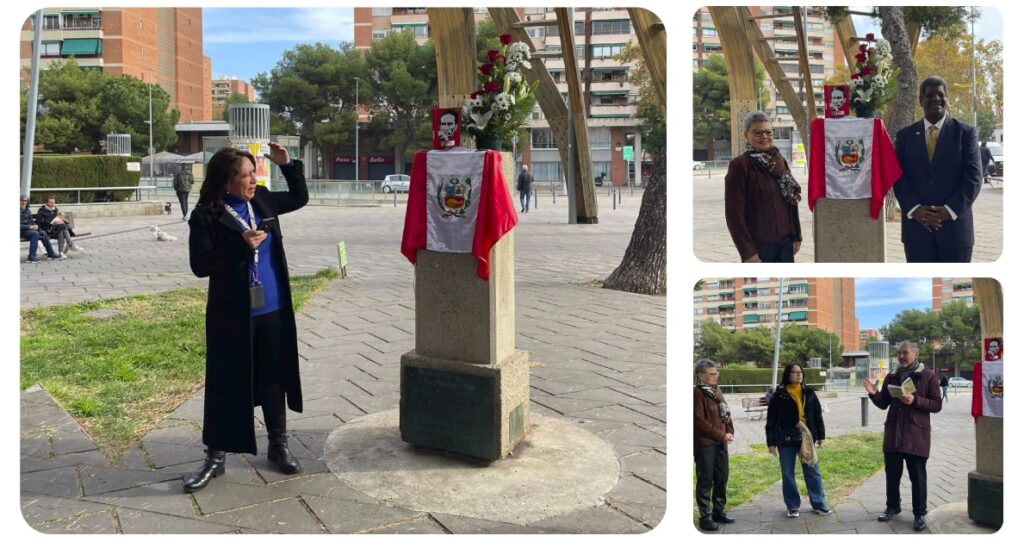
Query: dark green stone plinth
[[985, 501], [449, 411]]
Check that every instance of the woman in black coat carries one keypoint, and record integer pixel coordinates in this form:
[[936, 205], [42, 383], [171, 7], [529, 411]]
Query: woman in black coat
[[251, 346], [794, 403]]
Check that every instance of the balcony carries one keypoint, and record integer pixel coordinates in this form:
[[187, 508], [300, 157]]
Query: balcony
[[610, 87], [612, 111]]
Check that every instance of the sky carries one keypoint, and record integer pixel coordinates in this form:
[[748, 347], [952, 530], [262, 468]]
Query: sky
[[989, 26], [878, 300], [242, 42]]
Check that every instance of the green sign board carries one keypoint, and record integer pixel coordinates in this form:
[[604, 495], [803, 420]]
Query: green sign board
[[627, 153], [342, 259]]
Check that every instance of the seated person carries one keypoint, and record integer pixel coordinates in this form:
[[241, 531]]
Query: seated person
[[30, 230], [54, 223]]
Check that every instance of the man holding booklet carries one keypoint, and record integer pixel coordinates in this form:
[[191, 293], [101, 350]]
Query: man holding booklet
[[911, 393]]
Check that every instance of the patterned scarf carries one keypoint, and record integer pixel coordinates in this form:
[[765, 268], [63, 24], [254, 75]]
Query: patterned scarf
[[903, 373], [774, 165], [716, 394]]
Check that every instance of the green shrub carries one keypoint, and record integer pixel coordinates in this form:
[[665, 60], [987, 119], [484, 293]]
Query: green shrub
[[83, 171], [743, 379]]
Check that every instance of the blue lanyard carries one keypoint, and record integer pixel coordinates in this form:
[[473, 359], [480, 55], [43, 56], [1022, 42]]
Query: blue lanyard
[[251, 225]]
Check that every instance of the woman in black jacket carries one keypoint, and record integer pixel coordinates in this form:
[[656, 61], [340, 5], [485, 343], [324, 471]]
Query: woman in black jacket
[[251, 346], [794, 404]]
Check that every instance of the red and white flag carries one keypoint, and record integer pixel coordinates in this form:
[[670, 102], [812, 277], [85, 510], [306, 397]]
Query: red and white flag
[[987, 390], [851, 159], [458, 202]]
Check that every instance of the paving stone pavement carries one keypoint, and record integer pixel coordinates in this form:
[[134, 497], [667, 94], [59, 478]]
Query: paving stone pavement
[[598, 361], [952, 457], [712, 243]]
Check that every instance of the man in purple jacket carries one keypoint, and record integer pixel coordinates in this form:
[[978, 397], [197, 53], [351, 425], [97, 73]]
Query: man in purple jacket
[[908, 431]]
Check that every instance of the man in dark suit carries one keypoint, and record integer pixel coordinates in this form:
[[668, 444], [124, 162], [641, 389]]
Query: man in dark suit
[[941, 179]]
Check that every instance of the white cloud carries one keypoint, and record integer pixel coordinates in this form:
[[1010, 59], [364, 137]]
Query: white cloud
[[277, 25]]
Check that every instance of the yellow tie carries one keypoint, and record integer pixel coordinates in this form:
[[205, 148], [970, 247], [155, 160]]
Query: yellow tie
[[932, 140]]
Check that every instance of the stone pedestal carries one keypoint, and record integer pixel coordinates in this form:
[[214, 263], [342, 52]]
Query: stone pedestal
[[985, 484], [845, 232], [465, 388]]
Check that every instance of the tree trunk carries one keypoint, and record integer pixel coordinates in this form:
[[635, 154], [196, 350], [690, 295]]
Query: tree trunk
[[900, 112], [642, 269]]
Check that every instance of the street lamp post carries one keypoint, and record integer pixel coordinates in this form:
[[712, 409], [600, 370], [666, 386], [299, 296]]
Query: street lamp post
[[357, 129], [152, 172]]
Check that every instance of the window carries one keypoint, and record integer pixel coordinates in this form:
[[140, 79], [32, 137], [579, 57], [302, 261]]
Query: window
[[577, 28], [600, 138], [536, 31], [782, 110], [379, 34], [815, 27], [605, 51], [547, 171], [579, 52], [51, 22], [611, 27], [542, 138], [606, 167], [49, 48], [710, 33], [381, 12], [422, 30]]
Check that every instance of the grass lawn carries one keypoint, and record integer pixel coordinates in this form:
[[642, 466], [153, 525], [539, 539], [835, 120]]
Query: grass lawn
[[845, 462], [121, 375]]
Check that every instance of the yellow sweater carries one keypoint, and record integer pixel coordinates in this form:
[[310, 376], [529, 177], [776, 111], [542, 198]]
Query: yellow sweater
[[795, 392]]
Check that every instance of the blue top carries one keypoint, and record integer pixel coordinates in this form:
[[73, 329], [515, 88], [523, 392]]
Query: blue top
[[265, 269]]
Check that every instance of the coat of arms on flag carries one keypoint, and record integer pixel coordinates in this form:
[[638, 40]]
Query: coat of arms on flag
[[454, 197], [849, 154]]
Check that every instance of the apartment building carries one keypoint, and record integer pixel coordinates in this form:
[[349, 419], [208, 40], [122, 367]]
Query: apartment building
[[222, 88], [869, 335], [824, 51], [743, 303], [947, 290], [600, 35], [164, 45]]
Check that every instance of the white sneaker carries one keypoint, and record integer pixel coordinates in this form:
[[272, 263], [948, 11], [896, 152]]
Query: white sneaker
[[794, 513], [77, 248]]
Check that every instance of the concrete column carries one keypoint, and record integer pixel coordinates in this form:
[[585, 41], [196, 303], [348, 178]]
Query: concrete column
[[845, 232], [465, 388], [985, 482]]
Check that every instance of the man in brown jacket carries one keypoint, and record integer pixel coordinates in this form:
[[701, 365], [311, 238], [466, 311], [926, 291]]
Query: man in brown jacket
[[908, 431], [712, 433]]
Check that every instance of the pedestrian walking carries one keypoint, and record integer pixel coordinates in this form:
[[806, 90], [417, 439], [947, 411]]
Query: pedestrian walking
[[182, 186], [525, 186], [944, 384]]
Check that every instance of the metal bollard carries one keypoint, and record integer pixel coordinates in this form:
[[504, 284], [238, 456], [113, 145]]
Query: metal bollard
[[613, 201], [864, 411], [536, 199], [620, 195], [394, 193], [631, 189], [553, 194]]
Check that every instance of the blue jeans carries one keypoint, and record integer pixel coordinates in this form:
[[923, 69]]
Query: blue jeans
[[34, 236], [812, 477], [524, 199]]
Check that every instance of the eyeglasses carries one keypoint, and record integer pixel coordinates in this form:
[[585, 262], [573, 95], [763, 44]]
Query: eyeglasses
[[762, 133]]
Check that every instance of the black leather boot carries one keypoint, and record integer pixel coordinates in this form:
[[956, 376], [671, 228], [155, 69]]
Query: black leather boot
[[275, 418], [212, 468]]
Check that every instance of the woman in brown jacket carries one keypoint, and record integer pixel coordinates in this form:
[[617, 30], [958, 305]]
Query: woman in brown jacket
[[712, 433], [761, 198]]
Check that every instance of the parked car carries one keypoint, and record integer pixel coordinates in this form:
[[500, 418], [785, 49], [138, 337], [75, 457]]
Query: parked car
[[397, 182], [958, 382], [699, 165], [997, 160]]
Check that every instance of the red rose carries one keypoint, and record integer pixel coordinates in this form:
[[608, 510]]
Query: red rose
[[861, 57], [855, 76], [868, 70], [506, 39], [474, 95], [863, 48], [491, 55], [486, 68], [502, 59], [491, 86], [870, 37]]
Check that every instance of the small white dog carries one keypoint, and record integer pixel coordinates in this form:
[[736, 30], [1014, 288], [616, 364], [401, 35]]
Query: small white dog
[[161, 235]]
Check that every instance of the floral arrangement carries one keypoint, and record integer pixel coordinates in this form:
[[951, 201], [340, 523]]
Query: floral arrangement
[[874, 81], [502, 104]]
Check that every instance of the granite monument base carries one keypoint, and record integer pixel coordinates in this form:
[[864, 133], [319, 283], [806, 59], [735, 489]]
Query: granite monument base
[[985, 499], [845, 232], [470, 409]]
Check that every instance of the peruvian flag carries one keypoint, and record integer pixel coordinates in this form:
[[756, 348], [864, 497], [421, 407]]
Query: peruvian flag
[[458, 202], [851, 159], [987, 393]]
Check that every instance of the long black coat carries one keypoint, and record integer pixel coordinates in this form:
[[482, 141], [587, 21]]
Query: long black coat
[[217, 250], [783, 416]]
